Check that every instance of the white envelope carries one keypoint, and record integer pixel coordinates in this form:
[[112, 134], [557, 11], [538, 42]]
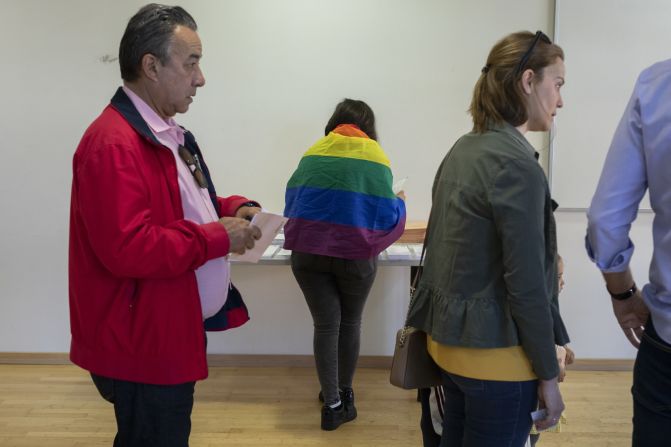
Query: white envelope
[[270, 224]]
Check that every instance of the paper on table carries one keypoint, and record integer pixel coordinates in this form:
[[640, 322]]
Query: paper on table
[[398, 252], [270, 251], [270, 224], [398, 185]]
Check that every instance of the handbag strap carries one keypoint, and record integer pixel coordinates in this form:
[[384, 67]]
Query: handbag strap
[[406, 328], [413, 287], [415, 280]]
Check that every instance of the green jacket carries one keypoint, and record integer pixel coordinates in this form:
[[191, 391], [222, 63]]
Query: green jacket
[[490, 271]]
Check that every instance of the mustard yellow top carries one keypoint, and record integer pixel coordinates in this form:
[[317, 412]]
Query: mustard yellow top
[[506, 364]]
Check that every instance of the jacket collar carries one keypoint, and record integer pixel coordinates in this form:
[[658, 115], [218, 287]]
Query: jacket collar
[[515, 134], [122, 103]]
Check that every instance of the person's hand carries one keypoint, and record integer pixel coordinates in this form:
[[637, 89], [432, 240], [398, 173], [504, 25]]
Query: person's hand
[[240, 234], [632, 314], [247, 212], [549, 398], [401, 195], [561, 359], [570, 355]]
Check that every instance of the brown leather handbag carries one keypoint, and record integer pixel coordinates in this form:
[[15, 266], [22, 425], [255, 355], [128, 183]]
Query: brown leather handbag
[[412, 366]]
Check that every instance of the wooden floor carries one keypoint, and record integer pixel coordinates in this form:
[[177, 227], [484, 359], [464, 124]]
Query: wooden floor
[[57, 406]]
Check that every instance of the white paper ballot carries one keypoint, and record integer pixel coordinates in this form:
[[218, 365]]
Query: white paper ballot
[[270, 251], [398, 185], [283, 253], [397, 251], [539, 415], [270, 224]]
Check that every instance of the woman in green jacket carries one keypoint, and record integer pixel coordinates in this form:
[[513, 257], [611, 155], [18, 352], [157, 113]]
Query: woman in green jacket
[[487, 298]]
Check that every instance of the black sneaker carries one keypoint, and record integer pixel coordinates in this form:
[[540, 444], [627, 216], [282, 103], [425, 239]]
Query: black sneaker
[[347, 397], [333, 418]]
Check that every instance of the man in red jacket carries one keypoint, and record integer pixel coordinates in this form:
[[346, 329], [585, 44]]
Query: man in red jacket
[[149, 238]]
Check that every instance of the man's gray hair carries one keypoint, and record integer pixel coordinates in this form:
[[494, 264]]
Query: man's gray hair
[[150, 30]]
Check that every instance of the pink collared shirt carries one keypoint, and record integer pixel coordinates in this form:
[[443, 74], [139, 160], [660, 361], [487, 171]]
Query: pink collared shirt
[[214, 276]]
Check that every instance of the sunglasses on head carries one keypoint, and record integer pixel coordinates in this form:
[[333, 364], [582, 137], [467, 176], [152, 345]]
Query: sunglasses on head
[[193, 164], [540, 35]]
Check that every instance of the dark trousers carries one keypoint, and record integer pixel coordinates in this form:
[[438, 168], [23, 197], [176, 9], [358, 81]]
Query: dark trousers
[[335, 290], [149, 415], [487, 413], [652, 391]]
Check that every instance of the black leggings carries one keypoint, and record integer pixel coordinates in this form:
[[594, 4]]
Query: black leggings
[[335, 290]]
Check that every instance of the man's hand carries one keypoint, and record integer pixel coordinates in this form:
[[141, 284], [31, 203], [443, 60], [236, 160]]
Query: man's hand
[[247, 212], [632, 315], [401, 195], [240, 234], [549, 398]]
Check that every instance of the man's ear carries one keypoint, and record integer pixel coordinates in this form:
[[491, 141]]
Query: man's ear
[[526, 80], [150, 66]]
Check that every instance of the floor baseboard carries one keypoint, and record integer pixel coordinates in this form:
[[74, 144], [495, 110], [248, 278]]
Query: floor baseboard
[[305, 361], [230, 360]]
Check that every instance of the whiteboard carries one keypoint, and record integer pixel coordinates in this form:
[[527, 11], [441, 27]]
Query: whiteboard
[[607, 43]]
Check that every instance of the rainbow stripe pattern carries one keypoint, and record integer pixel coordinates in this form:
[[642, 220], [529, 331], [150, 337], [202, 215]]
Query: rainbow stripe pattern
[[339, 200]]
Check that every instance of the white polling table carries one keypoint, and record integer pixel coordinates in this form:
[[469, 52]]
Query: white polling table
[[280, 320]]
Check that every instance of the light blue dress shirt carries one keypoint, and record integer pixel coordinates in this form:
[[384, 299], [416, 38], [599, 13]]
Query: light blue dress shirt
[[639, 158]]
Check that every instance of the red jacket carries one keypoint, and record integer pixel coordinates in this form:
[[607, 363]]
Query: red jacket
[[135, 311]]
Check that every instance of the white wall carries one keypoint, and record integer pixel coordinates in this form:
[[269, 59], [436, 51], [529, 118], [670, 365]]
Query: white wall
[[584, 303], [275, 70]]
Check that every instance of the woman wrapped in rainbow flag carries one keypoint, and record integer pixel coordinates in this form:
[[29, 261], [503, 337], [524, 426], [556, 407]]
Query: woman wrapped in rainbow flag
[[342, 213]]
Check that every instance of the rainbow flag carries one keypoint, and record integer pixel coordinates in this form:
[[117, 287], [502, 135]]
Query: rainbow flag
[[339, 200]]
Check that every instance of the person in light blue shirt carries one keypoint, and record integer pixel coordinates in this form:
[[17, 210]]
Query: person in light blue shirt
[[639, 159]]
